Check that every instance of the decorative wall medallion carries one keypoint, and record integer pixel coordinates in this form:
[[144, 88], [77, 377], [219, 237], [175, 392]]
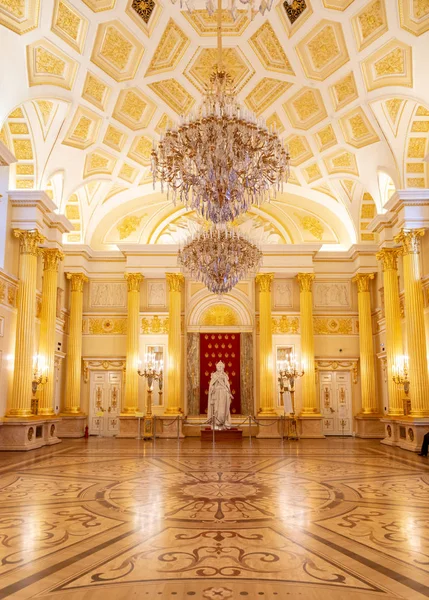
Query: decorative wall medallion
[[128, 225], [312, 225], [220, 316], [106, 326], [334, 326]]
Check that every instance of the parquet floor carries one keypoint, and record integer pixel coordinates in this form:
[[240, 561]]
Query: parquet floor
[[325, 519]]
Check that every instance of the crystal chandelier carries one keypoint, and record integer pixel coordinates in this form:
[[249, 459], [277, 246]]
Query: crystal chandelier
[[222, 159], [219, 257], [252, 5]]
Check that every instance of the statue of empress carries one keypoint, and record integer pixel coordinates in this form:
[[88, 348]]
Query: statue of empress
[[220, 398]]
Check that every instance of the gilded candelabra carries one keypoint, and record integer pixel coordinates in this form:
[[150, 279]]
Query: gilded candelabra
[[152, 371], [288, 370], [39, 378], [400, 376]]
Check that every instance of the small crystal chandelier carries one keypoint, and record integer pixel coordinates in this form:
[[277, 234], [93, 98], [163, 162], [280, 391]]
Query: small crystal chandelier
[[223, 159], [220, 257]]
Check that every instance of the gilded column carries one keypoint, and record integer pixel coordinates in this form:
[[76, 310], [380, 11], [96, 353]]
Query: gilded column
[[310, 404], [74, 353], [366, 345], [266, 392], [131, 401], [394, 348], [20, 403], [174, 367], [414, 321], [48, 319]]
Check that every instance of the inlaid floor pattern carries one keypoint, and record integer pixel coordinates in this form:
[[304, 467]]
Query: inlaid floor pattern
[[328, 519]]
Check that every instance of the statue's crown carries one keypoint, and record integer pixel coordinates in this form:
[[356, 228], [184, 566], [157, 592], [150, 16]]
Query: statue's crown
[[220, 363]]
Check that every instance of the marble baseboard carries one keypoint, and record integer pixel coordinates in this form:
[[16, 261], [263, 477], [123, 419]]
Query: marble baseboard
[[28, 434], [310, 427], [405, 432], [72, 426], [369, 427]]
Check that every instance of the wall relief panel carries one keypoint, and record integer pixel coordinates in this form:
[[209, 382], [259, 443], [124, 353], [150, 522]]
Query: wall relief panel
[[103, 294], [333, 294], [283, 294]]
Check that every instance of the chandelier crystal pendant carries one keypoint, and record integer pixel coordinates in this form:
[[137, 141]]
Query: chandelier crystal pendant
[[253, 5], [220, 257], [222, 159]]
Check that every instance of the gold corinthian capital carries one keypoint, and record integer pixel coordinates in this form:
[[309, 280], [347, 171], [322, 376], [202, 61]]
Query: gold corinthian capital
[[410, 240], [305, 281], [51, 258], [133, 281], [264, 280], [175, 281], [388, 258], [77, 281], [29, 240], [362, 281]]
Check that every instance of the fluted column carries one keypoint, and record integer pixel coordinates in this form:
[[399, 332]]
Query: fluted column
[[174, 370], [392, 310], [74, 353], [131, 401], [414, 321], [48, 320], [266, 393], [20, 403], [366, 345], [310, 404]]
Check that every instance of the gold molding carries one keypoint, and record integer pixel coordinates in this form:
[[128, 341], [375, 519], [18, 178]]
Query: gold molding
[[96, 91], [134, 109], [171, 48], [369, 23], [69, 24], [389, 65], [323, 50], [48, 65], [305, 108]]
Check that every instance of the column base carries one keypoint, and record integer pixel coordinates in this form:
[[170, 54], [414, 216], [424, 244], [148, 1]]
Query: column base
[[28, 434], [406, 432], [310, 426], [129, 426], [72, 426], [369, 426], [173, 411], [269, 431]]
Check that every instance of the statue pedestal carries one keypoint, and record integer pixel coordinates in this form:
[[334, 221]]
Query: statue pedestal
[[222, 435]]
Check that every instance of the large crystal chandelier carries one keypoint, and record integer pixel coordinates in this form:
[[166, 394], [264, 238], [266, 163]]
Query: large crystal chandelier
[[220, 257], [222, 159]]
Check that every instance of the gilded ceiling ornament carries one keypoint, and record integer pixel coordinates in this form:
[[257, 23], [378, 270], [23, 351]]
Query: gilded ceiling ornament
[[362, 281], [326, 137], [344, 91], [117, 51], [312, 172], [305, 281], [175, 281], [77, 281], [265, 93], [29, 240], [393, 107], [114, 138], [410, 240], [299, 149], [174, 94], [205, 24], [107, 326], [128, 225], [389, 258], [264, 281], [18, 128], [133, 281], [46, 62], [144, 8], [171, 48], [95, 91], [128, 173], [305, 108], [416, 147], [23, 149], [391, 64], [19, 16], [311, 224], [294, 9], [269, 50], [116, 48]]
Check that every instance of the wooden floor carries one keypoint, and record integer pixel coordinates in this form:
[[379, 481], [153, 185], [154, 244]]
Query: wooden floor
[[336, 519]]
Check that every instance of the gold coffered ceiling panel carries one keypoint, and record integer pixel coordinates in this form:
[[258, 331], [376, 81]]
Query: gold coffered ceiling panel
[[323, 50], [48, 65], [344, 91], [170, 50], [134, 109], [269, 50], [389, 65], [369, 23], [99, 162], [173, 94], [114, 138], [299, 149], [204, 63], [337, 4], [83, 129], [95, 91], [20, 16], [206, 25], [357, 129], [144, 13], [325, 137], [341, 161], [116, 51], [414, 15], [127, 173], [265, 93], [293, 16], [100, 5], [312, 173], [305, 108], [141, 149], [69, 25]]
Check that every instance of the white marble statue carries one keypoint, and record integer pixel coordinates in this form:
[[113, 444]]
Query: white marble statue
[[220, 398]]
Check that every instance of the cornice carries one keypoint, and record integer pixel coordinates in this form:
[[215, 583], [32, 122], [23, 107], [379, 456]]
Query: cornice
[[6, 156], [32, 199]]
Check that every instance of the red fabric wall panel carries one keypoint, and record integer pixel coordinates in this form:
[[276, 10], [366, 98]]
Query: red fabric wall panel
[[213, 348]]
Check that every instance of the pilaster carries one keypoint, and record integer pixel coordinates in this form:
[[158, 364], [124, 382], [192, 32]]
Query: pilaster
[[174, 367], [310, 403], [132, 379], [266, 390]]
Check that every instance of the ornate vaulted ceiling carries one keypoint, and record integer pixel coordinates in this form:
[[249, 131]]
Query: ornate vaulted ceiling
[[87, 85]]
